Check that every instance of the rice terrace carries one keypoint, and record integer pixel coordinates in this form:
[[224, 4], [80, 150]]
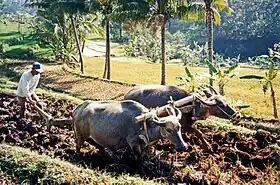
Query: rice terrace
[[139, 92]]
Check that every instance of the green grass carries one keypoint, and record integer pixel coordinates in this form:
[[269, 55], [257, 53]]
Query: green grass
[[21, 165], [10, 30], [217, 124], [20, 44], [144, 73]]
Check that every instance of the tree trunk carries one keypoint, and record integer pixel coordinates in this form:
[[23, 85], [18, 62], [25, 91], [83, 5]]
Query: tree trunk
[[78, 44], [273, 101], [163, 52], [64, 40], [107, 72], [209, 23], [83, 45], [121, 30]]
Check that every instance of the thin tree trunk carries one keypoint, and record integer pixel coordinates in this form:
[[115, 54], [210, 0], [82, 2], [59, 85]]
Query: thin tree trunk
[[121, 30], [64, 35], [163, 52], [107, 72], [210, 37], [78, 44], [273, 101], [19, 33], [83, 45]]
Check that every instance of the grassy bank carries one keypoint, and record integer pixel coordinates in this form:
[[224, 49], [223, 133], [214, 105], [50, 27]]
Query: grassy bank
[[19, 165]]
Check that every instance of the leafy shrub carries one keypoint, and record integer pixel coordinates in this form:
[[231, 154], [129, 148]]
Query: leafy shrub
[[3, 48], [275, 52], [262, 61], [143, 43], [36, 47], [193, 56]]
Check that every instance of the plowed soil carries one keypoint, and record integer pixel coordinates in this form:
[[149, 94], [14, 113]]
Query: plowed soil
[[236, 158]]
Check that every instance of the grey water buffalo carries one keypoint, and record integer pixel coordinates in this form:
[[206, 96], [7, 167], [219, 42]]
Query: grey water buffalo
[[112, 124], [153, 96]]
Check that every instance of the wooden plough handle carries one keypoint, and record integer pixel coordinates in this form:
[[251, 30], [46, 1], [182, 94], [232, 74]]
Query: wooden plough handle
[[45, 115]]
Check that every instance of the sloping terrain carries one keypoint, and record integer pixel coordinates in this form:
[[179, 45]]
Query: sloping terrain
[[237, 158]]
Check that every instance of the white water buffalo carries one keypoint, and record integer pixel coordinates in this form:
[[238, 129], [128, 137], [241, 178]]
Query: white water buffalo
[[112, 124], [153, 96]]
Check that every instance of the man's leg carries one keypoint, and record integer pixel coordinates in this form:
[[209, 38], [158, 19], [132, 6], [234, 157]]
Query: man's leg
[[22, 103]]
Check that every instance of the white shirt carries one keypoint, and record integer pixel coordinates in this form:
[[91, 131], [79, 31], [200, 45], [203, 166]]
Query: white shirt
[[27, 84]]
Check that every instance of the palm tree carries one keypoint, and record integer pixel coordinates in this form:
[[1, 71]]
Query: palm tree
[[209, 12], [72, 8], [266, 82], [156, 14]]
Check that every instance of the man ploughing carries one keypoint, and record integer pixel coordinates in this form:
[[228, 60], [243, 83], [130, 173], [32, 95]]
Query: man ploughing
[[26, 88]]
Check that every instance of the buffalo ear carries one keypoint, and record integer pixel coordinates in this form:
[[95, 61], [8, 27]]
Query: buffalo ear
[[207, 93]]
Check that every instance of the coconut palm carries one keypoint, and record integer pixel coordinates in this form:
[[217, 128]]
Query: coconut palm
[[156, 13], [73, 9], [209, 12]]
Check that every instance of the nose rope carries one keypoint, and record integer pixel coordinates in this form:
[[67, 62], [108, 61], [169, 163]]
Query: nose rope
[[225, 112], [230, 117]]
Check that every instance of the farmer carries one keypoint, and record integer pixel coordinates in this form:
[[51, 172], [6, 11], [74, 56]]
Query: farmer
[[26, 88]]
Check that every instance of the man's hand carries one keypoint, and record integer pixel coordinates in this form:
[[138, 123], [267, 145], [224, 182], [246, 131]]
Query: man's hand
[[30, 100]]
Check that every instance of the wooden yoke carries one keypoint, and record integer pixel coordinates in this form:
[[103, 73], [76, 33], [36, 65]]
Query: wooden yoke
[[162, 109]]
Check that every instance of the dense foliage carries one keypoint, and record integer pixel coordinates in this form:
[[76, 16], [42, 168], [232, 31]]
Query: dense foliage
[[253, 23]]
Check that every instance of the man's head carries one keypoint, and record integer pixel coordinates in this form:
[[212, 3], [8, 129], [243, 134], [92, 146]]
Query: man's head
[[37, 68]]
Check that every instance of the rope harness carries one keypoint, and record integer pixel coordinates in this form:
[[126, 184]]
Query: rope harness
[[146, 136], [194, 116]]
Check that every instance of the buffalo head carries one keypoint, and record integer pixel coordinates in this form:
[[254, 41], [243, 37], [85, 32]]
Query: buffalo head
[[216, 105], [170, 128]]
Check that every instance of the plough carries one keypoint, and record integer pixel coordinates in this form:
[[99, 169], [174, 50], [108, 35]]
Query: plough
[[50, 121]]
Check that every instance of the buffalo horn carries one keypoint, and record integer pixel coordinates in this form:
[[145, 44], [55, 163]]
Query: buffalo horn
[[170, 111], [179, 116], [207, 93], [160, 123], [206, 102], [214, 90]]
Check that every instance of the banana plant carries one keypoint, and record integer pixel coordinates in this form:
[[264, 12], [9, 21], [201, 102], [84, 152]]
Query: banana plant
[[266, 82], [223, 75], [194, 81]]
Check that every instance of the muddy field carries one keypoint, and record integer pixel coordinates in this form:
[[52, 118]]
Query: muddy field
[[236, 158]]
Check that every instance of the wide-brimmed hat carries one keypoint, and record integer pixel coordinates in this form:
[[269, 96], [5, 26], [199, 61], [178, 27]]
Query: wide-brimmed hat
[[38, 67]]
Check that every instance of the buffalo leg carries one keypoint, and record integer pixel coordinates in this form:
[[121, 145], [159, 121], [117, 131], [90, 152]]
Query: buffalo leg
[[205, 145], [99, 147], [79, 142], [80, 138]]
